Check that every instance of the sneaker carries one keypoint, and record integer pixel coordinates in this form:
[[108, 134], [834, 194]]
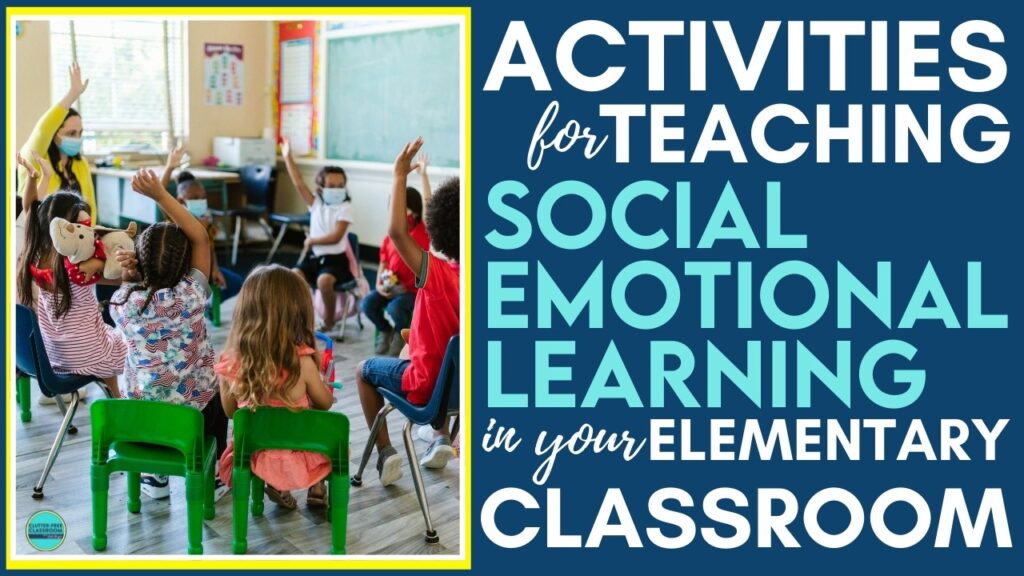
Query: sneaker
[[385, 343], [51, 401], [220, 489], [389, 466], [156, 487], [438, 453], [425, 433]]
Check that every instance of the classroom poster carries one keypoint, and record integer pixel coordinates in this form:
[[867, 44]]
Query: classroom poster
[[224, 74]]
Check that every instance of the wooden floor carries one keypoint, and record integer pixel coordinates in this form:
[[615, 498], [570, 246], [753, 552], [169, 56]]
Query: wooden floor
[[381, 520]]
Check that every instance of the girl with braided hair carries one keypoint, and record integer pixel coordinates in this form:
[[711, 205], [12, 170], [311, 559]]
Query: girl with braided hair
[[170, 358]]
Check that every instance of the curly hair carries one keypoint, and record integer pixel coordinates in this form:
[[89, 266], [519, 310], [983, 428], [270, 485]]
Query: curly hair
[[444, 219], [273, 314], [39, 245], [164, 254]]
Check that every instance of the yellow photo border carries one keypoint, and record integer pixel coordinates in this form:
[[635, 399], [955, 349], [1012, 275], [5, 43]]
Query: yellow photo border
[[289, 562]]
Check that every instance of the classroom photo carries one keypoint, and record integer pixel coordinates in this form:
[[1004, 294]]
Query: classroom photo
[[234, 270]]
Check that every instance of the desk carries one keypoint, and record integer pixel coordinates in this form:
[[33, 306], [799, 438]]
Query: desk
[[117, 204]]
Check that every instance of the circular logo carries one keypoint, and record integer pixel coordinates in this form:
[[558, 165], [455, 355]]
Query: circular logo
[[46, 530]]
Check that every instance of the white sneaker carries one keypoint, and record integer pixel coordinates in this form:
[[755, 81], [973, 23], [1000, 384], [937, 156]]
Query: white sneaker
[[156, 487], [389, 466], [425, 433], [220, 489], [438, 453]]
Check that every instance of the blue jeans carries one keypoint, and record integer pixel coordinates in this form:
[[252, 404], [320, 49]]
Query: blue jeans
[[398, 307], [385, 373]]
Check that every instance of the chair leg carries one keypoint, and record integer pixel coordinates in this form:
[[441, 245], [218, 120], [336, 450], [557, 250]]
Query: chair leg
[[338, 497], [258, 499], [215, 305], [343, 315], [382, 416], [24, 394], [134, 483], [194, 490], [100, 490], [277, 244], [455, 424], [234, 245], [37, 492], [209, 506], [417, 479], [266, 227], [72, 429], [242, 478]]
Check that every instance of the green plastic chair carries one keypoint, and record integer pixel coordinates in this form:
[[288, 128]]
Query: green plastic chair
[[23, 395], [215, 305], [137, 436], [282, 429]]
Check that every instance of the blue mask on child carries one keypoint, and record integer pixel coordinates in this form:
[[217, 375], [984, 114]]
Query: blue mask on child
[[334, 196], [197, 208], [70, 146]]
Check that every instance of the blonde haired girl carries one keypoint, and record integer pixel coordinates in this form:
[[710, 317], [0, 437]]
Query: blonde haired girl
[[270, 360]]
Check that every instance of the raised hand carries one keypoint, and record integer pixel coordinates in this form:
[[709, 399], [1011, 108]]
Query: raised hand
[[32, 172], [421, 163], [45, 170], [78, 87], [147, 183], [175, 156], [286, 148], [403, 163]]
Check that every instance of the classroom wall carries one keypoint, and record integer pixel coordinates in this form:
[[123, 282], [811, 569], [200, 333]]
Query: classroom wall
[[32, 78], [247, 120], [32, 82]]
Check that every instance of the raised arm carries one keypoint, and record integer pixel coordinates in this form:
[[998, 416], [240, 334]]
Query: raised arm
[[398, 225], [421, 166], [173, 161], [145, 182], [33, 178], [294, 174], [76, 89]]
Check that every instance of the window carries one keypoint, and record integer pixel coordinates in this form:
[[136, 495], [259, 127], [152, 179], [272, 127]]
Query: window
[[127, 106]]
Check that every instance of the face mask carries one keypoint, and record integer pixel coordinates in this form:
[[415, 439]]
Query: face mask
[[334, 196], [196, 208], [70, 146]]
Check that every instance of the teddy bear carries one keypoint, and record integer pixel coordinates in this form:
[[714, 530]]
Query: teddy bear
[[90, 249]]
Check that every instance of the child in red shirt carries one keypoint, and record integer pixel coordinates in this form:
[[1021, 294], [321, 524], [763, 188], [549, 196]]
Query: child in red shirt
[[436, 319], [395, 292]]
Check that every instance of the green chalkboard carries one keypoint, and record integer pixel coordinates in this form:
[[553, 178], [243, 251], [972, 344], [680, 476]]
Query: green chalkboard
[[384, 89]]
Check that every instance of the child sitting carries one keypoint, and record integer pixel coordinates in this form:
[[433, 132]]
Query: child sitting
[[192, 194], [330, 213], [436, 319], [170, 358], [72, 329], [396, 284], [270, 360]]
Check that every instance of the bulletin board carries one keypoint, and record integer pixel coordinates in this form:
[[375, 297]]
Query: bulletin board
[[295, 103]]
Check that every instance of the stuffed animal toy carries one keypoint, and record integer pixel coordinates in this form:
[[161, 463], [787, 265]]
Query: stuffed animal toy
[[80, 243]]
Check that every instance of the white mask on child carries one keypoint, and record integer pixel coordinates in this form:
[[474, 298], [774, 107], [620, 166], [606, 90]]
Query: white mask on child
[[197, 208], [334, 196]]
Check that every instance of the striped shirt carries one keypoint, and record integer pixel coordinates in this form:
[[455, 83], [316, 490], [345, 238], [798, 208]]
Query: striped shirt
[[79, 342]]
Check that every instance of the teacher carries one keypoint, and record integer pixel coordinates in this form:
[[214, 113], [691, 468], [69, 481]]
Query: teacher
[[57, 138]]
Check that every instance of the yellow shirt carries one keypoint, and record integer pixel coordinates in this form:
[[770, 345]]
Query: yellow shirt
[[39, 141]]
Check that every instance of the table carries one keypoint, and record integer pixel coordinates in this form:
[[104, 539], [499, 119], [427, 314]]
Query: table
[[117, 204]]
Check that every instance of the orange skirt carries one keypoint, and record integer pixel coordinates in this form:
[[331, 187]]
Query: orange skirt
[[282, 469]]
